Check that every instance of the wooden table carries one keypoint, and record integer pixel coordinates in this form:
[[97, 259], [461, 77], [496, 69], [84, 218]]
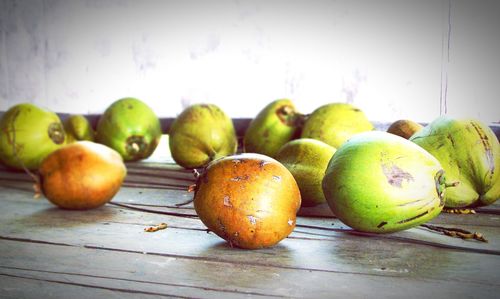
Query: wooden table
[[46, 252]]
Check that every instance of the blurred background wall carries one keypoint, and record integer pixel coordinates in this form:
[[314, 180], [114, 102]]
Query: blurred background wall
[[393, 59]]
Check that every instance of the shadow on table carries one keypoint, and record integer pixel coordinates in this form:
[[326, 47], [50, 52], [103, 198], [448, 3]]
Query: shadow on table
[[59, 218]]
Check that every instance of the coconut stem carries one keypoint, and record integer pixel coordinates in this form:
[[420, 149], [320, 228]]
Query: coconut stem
[[56, 133], [300, 119], [191, 188], [456, 232], [290, 117], [454, 184], [136, 146]]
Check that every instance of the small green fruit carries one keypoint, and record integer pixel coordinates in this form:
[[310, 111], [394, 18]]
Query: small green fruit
[[470, 154], [200, 134], [274, 126], [379, 182], [130, 127], [307, 160], [78, 128], [28, 134], [335, 123]]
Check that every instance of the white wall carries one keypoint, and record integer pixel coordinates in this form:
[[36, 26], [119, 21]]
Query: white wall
[[390, 58]]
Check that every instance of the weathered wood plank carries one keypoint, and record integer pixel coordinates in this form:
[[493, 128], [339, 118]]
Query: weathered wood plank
[[163, 202], [22, 284], [134, 272], [116, 229], [170, 284], [483, 223], [157, 175], [143, 177], [14, 286]]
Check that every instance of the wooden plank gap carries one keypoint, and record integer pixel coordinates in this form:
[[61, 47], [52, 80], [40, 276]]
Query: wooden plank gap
[[203, 288], [127, 206], [122, 290]]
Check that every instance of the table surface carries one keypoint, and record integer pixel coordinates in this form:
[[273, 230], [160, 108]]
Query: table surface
[[46, 252]]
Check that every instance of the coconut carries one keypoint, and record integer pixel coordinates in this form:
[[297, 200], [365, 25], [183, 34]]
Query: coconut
[[78, 127], [275, 125], [470, 154], [335, 123], [379, 182], [404, 128], [130, 127], [249, 200], [307, 160], [201, 134], [28, 134], [82, 175]]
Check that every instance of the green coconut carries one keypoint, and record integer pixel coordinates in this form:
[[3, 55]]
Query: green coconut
[[28, 134], [200, 134], [335, 123], [78, 128], [274, 126], [379, 182], [470, 154], [307, 160], [130, 127]]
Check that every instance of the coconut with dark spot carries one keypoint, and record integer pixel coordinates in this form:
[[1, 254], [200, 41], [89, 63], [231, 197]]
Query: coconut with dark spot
[[470, 154], [249, 200], [130, 127], [28, 134], [379, 182], [275, 125]]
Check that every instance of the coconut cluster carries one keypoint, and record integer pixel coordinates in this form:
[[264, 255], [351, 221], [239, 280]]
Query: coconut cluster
[[249, 194]]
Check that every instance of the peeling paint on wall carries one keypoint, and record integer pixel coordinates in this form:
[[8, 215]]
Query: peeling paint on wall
[[386, 57]]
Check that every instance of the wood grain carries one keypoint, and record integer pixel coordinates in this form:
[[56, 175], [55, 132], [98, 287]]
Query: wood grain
[[49, 252]]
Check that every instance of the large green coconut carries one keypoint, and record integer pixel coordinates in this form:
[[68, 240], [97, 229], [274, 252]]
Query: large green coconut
[[200, 134], [335, 123], [307, 160], [130, 127], [379, 182], [28, 134], [274, 126], [470, 154]]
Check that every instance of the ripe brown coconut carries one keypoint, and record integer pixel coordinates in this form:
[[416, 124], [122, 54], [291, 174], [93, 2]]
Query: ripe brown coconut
[[404, 128], [82, 175], [250, 200]]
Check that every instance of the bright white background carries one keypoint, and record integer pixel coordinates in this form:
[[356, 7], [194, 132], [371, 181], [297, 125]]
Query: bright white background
[[393, 59]]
